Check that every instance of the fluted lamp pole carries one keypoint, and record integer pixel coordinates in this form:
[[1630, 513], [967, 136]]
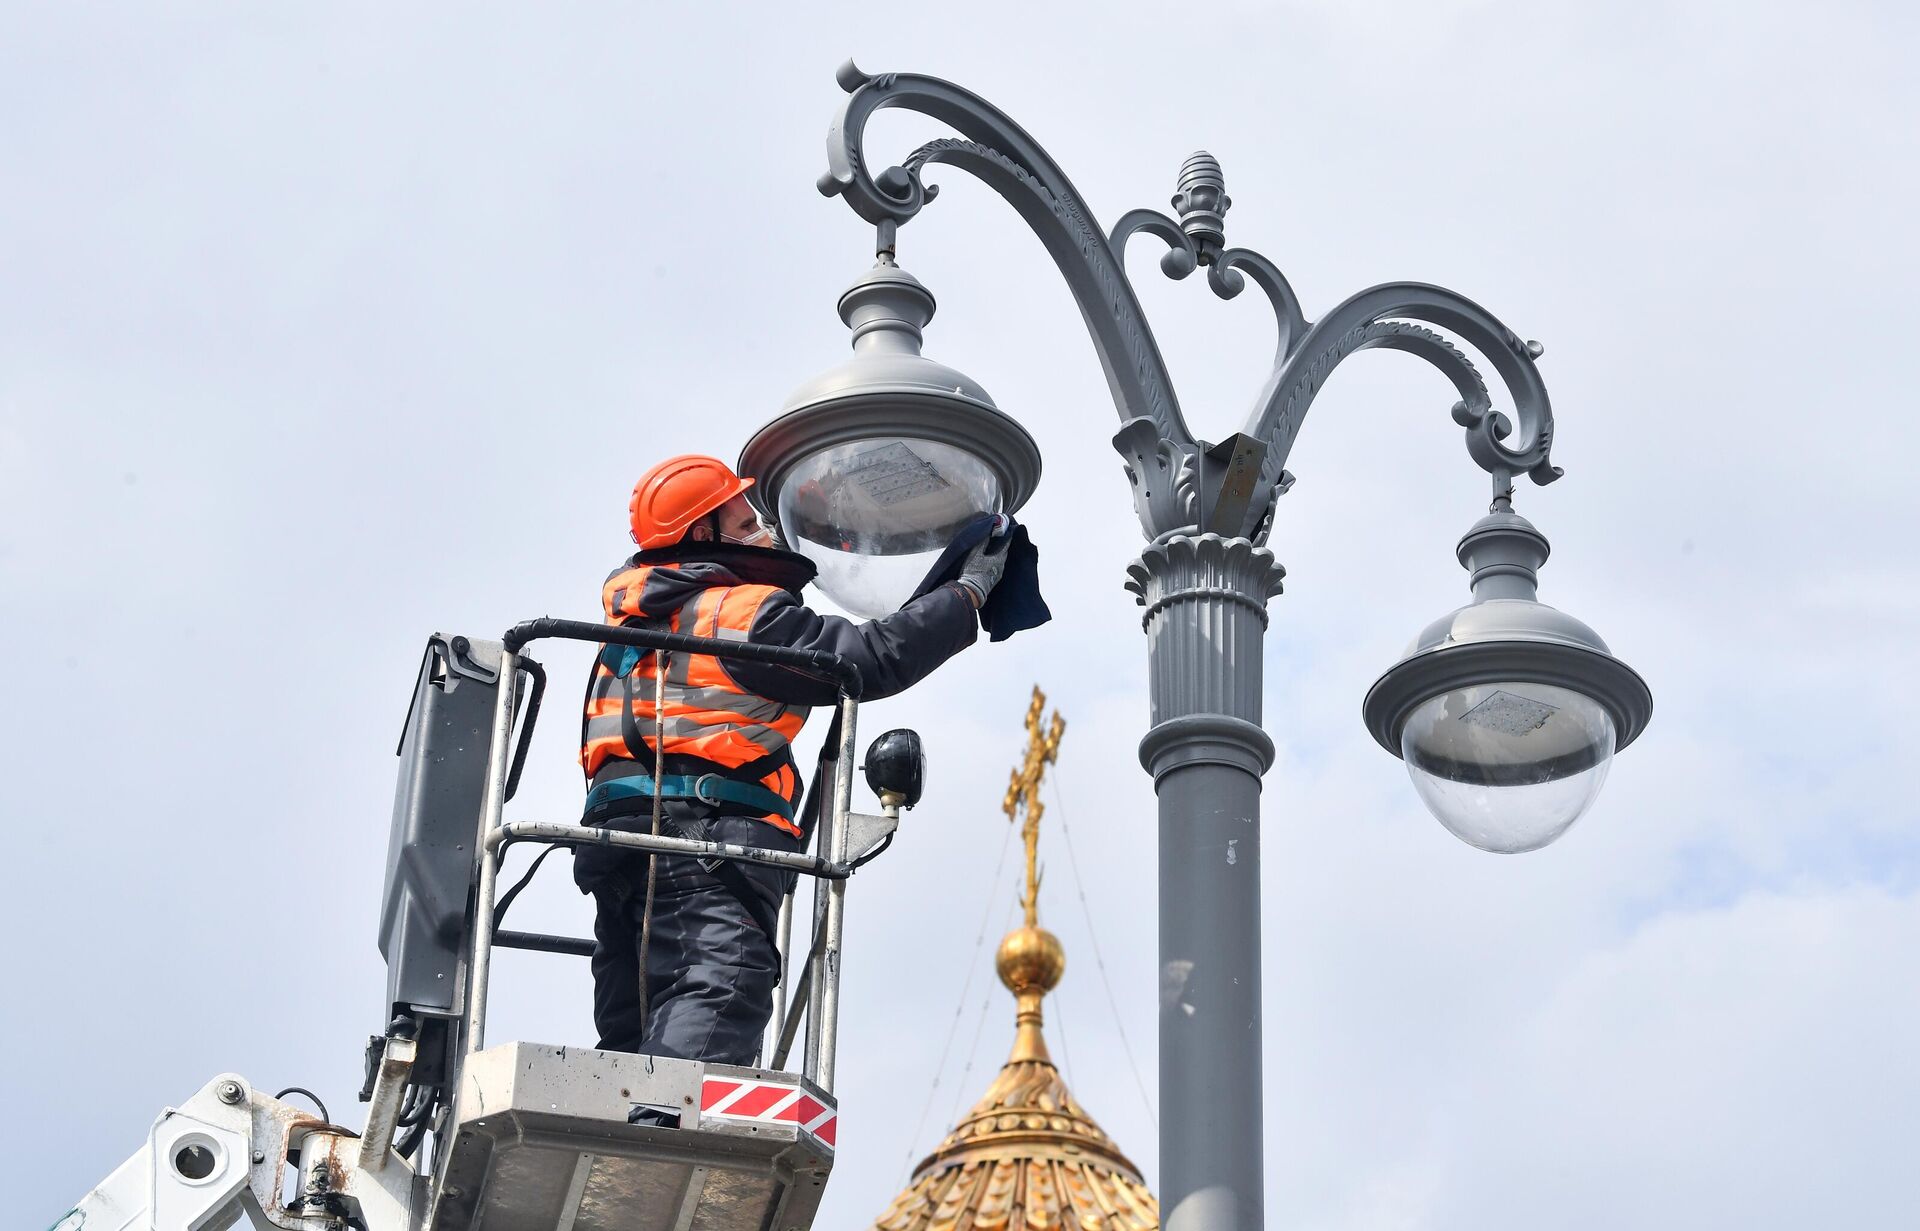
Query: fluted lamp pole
[[1506, 712]]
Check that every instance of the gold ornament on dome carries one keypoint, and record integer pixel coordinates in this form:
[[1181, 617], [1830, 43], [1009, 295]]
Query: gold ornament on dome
[[1028, 1157]]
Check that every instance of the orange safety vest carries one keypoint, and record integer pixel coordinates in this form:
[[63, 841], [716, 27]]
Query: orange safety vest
[[708, 716]]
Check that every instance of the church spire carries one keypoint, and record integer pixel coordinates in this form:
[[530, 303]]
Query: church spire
[[1023, 793], [1027, 1157], [1031, 960]]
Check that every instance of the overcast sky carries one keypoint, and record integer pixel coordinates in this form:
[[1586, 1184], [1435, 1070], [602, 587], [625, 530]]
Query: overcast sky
[[324, 327]]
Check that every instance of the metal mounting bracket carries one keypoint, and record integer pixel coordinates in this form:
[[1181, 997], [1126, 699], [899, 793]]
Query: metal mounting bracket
[[865, 831]]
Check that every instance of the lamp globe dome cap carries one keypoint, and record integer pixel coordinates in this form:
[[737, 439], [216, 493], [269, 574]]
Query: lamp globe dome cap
[[888, 389], [1506, 634]]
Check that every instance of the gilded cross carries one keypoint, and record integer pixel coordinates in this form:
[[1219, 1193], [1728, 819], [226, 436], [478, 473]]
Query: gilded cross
[[1043, 749]]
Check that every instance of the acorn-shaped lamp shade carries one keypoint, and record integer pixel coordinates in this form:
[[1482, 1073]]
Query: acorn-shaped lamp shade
[[874, 466], [1506, 711]]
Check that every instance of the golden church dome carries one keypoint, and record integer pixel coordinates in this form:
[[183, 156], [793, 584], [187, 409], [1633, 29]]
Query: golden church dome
[[1028, 1157]]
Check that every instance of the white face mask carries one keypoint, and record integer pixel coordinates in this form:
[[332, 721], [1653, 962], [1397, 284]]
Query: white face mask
[[761, 537]]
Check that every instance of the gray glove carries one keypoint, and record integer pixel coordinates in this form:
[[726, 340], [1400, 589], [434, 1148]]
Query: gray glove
[[980, 572]]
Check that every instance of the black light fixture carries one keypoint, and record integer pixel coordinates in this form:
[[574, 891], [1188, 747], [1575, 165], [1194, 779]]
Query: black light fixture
[[897, 767]]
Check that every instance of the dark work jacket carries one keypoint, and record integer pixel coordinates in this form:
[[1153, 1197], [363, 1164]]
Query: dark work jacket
[[892, 653]]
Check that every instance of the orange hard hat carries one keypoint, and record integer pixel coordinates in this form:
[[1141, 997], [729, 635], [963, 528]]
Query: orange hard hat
[[678, 492]]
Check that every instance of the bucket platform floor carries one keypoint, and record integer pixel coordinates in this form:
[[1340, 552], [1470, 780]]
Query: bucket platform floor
[[540, 1141]]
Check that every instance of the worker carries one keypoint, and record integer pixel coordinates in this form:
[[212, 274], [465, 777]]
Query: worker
[[707, 566]]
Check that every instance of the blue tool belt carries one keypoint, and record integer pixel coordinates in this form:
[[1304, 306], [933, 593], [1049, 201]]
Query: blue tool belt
[[707, 788]]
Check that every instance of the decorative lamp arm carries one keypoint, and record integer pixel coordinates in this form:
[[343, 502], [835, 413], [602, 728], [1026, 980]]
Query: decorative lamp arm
[[999, 152], [1382, 317], [1183, 485]]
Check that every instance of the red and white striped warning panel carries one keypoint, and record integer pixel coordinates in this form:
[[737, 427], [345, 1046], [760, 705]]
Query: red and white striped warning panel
[[768, 1102]]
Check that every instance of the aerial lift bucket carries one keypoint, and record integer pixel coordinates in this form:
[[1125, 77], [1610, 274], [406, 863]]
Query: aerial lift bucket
[[538, 1136], [524, 1136]]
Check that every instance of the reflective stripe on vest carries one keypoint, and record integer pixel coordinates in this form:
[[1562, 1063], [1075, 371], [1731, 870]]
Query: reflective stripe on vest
[[706, 714]]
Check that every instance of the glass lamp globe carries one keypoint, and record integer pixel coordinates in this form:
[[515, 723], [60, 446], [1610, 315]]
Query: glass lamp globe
[[1507, 712], [874, 515], [1508, 766], [875, 465]]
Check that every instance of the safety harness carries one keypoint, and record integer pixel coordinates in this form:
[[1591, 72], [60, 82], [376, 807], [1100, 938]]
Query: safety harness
[[731, 746], [740, 741], [706, 788]]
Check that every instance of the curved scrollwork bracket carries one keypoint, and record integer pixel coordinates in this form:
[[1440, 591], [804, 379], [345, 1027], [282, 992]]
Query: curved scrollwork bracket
[[999, 152], [1227, 281], [1385, 316], [1181, 484]]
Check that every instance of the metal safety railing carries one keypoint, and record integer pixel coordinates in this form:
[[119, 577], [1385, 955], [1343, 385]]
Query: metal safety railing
[[817, 997]]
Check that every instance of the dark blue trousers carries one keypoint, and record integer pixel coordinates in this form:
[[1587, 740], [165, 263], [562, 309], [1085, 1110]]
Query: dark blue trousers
[[711, 969]]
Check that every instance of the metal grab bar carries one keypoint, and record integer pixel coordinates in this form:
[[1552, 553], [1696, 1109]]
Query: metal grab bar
[[492, 802], [553, 832], [820, 1001], [823, 999], [814, 662], [543, 942]]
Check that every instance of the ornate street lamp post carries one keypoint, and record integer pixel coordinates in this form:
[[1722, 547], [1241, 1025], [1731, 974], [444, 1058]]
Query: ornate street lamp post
[[1506, 712]]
